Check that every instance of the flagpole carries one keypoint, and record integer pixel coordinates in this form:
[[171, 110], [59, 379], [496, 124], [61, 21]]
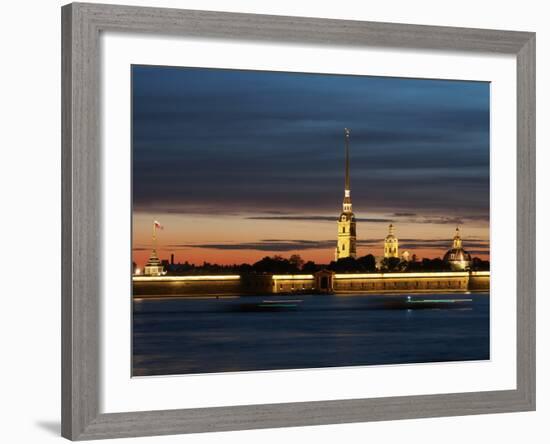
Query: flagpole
[[154, 236]]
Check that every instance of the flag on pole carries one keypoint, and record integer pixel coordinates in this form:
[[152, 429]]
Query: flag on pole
[[158, 225]]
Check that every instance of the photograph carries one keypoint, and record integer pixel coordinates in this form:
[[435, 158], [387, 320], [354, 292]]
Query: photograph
[[291, 220], [263, 222]]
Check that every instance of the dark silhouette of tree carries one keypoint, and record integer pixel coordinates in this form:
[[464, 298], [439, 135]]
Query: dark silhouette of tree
[[403, 265], [367, 263], [310, 267], [414, 267], [436, 264], [390, 264], [244, 269], [275, 264], [280, 265], [350, 265], [480, 265], [346, 264], [297, 261]]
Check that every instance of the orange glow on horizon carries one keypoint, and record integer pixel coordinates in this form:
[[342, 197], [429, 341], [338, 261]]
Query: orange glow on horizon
[[187, 237]]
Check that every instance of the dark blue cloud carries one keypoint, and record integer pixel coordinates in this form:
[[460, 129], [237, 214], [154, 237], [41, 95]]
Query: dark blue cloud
[[227, 140]]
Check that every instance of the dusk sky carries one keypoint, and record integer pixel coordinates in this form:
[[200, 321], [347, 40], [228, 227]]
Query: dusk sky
[[238, 165]]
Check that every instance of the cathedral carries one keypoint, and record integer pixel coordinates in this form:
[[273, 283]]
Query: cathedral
[[456, 257], [347, 238]]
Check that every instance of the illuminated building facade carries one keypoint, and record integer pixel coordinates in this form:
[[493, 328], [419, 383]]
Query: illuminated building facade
[[346, 244], [154, 266], [323, 281], [458, 258], [391, 244]]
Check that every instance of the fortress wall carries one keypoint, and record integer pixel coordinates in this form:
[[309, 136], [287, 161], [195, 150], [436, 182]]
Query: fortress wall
[[163, 286], [166, 286], [411, 282], [479, 281], [169, 286], [294, 284], [389, 284], [257, 284]]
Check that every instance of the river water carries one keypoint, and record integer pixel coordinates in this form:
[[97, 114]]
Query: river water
[[227, 334]]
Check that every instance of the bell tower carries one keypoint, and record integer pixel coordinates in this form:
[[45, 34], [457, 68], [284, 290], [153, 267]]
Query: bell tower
[[346, 244], [391, 244]]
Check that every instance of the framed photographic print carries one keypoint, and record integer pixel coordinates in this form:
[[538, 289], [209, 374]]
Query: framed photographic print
[[279, 221]]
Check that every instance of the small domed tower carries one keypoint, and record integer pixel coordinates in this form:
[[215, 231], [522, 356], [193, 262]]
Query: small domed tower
[[458, 258], [391, 244]]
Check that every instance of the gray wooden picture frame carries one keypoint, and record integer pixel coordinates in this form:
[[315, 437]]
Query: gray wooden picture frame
[[81, 243]]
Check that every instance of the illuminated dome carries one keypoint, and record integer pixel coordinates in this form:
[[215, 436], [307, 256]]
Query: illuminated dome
[[458, 258]]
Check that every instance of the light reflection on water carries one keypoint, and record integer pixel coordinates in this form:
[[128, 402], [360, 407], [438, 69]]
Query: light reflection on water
[[206, 335]]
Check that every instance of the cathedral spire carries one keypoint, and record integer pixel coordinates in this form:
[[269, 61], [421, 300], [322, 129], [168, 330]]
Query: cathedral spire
[[346, 245], [347, 189], [346, 138]]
